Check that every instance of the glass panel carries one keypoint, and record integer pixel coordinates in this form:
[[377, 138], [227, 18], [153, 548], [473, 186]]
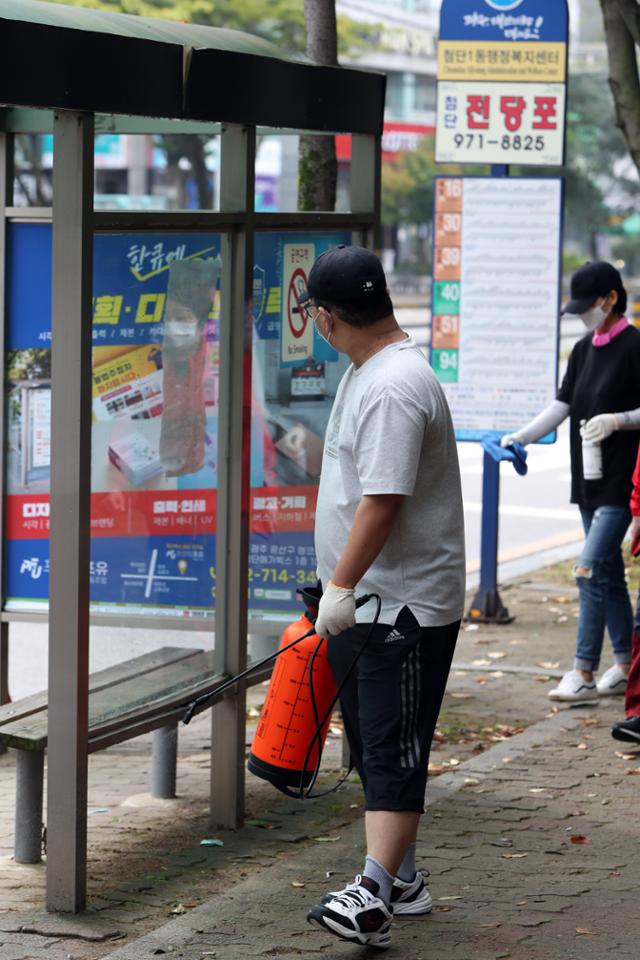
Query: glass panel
[[295, 378], [154, 438]]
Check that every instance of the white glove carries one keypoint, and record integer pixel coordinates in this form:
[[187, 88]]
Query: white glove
[[599, 428], [510, 438], [337, 611]]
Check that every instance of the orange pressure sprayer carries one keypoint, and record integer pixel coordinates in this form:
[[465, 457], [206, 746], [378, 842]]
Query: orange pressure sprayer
[[286, 744]]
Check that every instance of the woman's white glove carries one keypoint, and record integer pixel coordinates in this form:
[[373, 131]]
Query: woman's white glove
[[337, 610], [599, 428], [510, 438]]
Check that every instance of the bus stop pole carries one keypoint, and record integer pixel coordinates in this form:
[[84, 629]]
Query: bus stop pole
[[487, 607]]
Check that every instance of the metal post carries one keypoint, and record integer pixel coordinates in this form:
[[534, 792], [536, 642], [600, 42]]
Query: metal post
[[366, 152], [6, 200], [27, 846], [164, 756], [487, 606], [70, 511], [233, 498]]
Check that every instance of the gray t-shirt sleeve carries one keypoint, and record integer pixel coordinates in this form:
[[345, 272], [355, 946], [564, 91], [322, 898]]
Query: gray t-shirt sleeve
[[388, 443]]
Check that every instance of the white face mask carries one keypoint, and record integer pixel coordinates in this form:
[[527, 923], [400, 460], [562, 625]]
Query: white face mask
[[326, 339], [594, 318]]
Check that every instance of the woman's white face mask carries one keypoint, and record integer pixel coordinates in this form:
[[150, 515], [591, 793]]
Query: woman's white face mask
[[594, 317]]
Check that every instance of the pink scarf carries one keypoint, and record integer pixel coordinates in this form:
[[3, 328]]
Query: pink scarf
[[602, 339]]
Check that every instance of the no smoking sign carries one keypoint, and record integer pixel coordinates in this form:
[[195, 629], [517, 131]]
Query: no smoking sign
[[296, 332]]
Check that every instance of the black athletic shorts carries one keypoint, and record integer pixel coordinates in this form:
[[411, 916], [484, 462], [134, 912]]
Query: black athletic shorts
[[390, 704]]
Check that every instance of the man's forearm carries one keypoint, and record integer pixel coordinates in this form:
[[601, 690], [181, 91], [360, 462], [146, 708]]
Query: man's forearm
[[372, 525]]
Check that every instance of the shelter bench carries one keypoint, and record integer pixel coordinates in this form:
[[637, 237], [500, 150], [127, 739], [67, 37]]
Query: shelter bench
[[134, 697]]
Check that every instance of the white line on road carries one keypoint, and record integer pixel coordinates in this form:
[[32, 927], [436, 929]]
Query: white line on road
[[538, 513]]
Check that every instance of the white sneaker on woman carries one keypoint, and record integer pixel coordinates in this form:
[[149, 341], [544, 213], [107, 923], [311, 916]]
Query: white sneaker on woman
[[612, 683], [573, 688]]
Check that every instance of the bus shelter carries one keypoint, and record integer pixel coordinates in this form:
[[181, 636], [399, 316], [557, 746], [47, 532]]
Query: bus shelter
[[179, 78]]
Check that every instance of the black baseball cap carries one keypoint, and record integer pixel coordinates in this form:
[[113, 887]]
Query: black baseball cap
[[345, 273], [590, 281]]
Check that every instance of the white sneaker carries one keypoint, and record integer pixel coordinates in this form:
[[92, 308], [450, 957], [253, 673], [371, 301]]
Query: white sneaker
[[573, 688], [612, 683], [356, 915], [408, 898]]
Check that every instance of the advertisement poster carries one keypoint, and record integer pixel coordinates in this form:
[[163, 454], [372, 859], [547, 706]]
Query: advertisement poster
[[496, 292], [502, 73], [155, 415]]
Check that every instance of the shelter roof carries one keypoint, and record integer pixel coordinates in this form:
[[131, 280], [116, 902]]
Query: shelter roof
[[74, 58]]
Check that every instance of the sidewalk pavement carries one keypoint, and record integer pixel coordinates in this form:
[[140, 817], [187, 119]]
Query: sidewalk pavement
[[532, 853]]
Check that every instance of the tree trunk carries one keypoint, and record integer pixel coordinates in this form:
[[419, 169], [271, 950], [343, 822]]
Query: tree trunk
[[318, 167], [630, 13], [624, 79]]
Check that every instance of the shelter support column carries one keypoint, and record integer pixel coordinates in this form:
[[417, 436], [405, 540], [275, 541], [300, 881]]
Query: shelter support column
[[70, 511], [6, 200], [237, 189]]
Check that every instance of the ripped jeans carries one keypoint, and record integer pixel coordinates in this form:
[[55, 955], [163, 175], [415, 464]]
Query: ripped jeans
[[604, 598]]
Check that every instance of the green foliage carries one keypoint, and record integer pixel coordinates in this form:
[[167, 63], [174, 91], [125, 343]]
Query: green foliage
[[281, 21], [628, 249], [407, 184]]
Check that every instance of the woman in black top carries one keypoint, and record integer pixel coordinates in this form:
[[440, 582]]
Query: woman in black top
[[601, 395]]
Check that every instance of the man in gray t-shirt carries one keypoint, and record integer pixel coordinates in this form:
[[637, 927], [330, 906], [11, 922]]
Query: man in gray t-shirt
[[389, 522]]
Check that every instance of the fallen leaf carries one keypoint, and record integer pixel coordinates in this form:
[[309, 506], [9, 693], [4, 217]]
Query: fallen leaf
[[453, 762], [542, 679], [514, 856], [549, 664], [493, 926], [634, 771], [470, 782], [298, 885], [496, 674], [537, 789], [626, 756], [436, 768], [212, 843], [582, 746], [460, 696], [496, 655], [471, 628], [179, 909], [442, 899], [589, 722], [444, 909], [580, 839], [481, 680], [481, 663], [561, 599], [562, 619], [326, 839], [584, 930]]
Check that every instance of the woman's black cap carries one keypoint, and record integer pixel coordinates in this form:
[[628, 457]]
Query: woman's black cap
[[589, 282], [345, 273]]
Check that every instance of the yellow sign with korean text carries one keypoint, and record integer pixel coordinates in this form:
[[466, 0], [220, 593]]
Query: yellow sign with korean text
[[520, 62]]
